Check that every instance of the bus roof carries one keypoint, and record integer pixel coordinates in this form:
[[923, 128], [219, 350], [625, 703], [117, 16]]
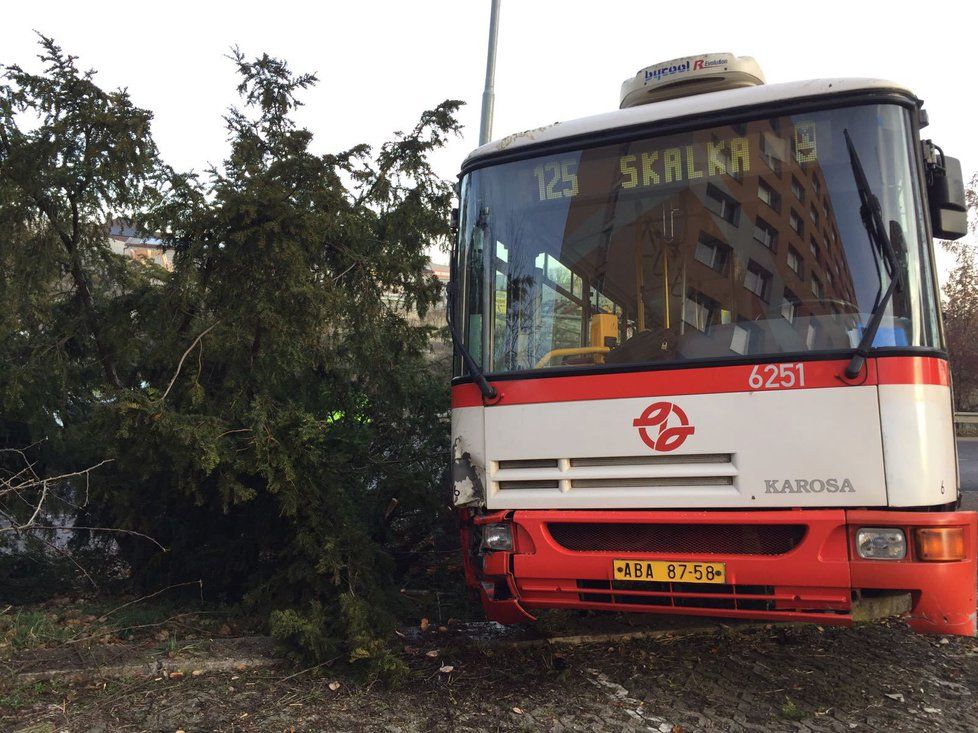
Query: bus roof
[[730, 100]]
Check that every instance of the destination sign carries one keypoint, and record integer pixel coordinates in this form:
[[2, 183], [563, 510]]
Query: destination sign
[[558, 178]]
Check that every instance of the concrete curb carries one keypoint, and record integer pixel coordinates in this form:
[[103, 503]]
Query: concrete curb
[[117, 661], [157, 668]]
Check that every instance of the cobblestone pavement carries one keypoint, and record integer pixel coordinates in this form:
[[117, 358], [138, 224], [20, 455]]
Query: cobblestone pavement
[[800, 678]]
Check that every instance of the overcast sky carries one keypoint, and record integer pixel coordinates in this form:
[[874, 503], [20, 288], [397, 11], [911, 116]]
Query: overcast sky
[[381, 63]]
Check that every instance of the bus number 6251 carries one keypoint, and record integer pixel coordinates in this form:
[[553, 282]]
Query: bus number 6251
[[776, 376]]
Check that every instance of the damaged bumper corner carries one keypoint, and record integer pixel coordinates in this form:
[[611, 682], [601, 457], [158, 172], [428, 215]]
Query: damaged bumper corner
[[943, 594], [467, 485]]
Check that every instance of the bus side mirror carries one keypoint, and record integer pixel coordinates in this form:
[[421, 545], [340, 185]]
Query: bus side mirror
[[945, 194]]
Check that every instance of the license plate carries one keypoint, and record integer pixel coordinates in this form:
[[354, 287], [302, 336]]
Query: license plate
[[670, 571]]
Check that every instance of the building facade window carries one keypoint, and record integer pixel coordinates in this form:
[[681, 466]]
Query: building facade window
[[722, 204], [768, 195], [757, 280], [796, 223], [797, 190], [794, 260], [769, 155], [789, 304], [699, 310], [740, 340], [766, 234], [711, 253]]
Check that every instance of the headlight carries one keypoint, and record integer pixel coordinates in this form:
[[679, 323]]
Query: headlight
[[881, 543], [497, 537]]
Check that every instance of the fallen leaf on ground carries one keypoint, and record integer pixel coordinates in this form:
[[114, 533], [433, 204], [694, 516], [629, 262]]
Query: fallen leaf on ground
[[446, 668], [518, 711], [176, 675], [895, 696], [197, 673], [433, 653], [932, 710], [334, 686]]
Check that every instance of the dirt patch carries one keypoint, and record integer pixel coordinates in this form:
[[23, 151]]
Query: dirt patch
[[878, 677]]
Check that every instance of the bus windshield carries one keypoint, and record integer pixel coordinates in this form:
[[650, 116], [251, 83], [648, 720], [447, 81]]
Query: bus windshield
[[736, 241]]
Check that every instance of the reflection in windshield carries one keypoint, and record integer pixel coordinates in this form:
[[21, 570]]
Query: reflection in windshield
[[731, 241]]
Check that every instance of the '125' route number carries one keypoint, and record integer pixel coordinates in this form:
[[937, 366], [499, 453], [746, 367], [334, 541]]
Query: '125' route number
[[776, 376]]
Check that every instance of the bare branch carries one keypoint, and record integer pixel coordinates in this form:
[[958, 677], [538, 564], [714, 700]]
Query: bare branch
[[40, 503], [184, 358], [199, 583], [27, 480], [134, 533]]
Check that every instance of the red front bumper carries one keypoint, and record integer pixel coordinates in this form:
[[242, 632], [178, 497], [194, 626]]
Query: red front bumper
[[796, 565]]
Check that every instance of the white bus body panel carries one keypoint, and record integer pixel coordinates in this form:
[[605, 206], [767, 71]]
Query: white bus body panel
[[749, 450], [918, 444], [727, 100]]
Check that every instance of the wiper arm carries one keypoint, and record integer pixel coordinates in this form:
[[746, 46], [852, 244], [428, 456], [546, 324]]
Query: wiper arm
[[872, 216], [488, 391]]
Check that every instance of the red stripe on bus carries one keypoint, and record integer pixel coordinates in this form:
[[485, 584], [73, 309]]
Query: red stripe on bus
[[913, 370], [707, 380]]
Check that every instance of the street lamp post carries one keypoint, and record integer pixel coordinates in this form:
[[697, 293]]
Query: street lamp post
[[488, 96]]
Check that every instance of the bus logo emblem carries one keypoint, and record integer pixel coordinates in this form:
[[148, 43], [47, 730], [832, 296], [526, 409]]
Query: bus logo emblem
[[672, 423]]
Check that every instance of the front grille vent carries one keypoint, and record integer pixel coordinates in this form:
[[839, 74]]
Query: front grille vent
[[716, 539], [508, 485], [528, 463], [664, 481], [677, 595], [713, 474], [676, 460]]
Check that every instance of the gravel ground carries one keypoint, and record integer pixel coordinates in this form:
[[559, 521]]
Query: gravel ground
[[732, 679], [797, 678]]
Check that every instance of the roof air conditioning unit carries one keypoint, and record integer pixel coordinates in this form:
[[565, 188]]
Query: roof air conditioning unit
[[710, 72]]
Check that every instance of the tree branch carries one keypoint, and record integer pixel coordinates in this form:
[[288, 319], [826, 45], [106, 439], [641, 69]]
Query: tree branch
[[184, 358]]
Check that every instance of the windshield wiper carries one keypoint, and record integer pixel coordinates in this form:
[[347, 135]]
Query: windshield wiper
[[488, 391], [872, 216]]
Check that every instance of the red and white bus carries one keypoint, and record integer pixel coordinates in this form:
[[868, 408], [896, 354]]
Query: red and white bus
[[701, 365]]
